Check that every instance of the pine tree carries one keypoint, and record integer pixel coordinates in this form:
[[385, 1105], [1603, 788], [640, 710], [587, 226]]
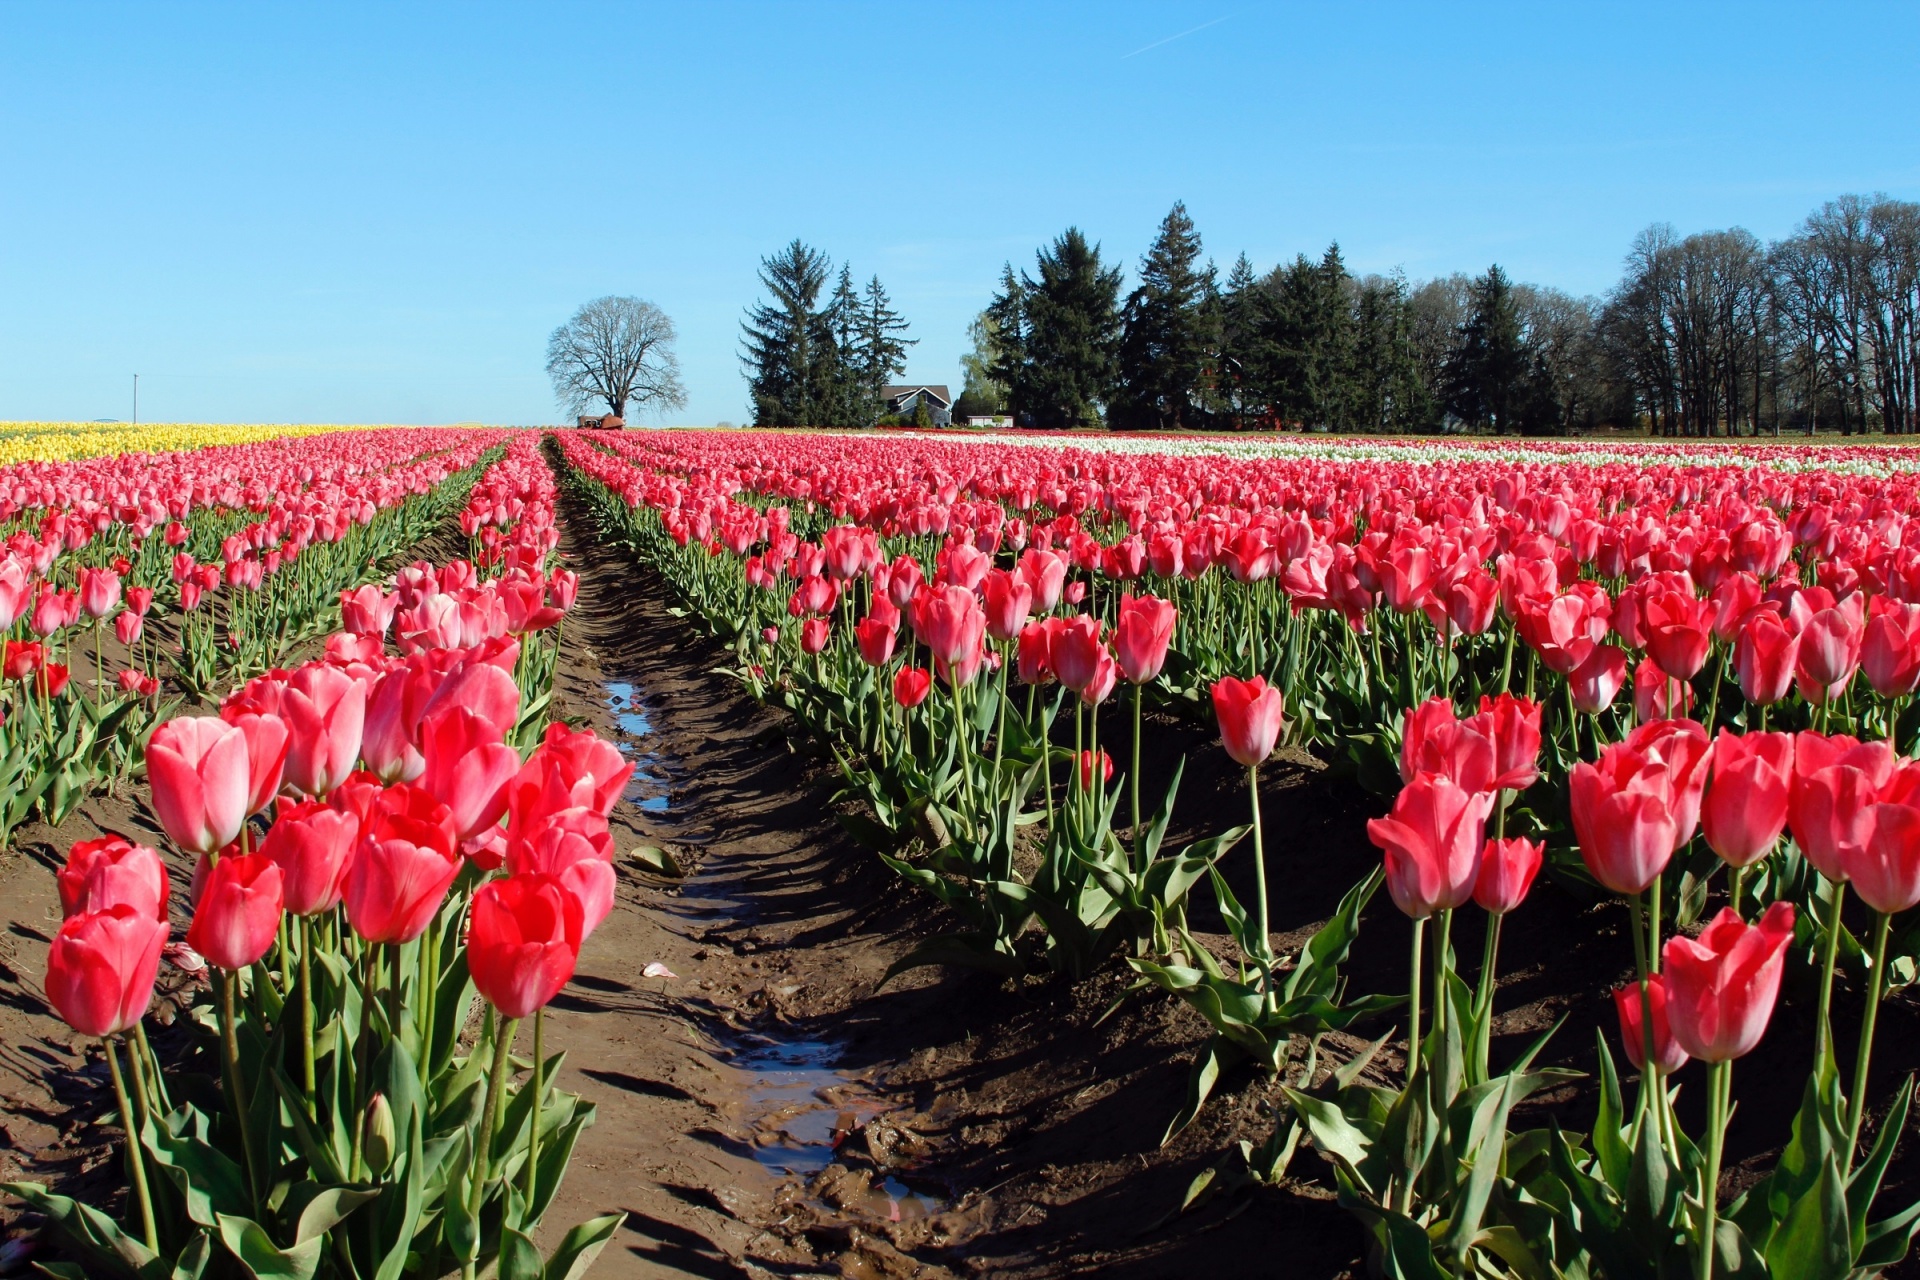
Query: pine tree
[[1487, 372], [847, 396], [1072, 331], [789, 350], [980, 392], [1166, 343], [880, 352], [1006, 318], [1237, 386], [1389, 393]]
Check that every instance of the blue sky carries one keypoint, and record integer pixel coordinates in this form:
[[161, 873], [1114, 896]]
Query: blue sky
[[378, 213]]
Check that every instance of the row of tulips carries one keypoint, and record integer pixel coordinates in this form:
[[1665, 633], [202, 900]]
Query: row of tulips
[[1353, 609], [110, 545], [374, 859]]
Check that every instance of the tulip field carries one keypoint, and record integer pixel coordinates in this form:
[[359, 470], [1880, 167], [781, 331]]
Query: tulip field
[[1667, 690]]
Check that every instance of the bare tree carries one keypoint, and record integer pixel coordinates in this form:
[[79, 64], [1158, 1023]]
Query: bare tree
[[617, 350]]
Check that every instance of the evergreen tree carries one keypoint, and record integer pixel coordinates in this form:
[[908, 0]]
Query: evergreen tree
[[880, 351], [1302, 351], [848, 395], [1006, 319], [1389, 393], [1234, 391], [1071, 335], [1166, 345], [790, 351], [1487, 373]]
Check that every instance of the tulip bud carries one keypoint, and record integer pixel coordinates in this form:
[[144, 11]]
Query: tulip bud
[[377, 1135]]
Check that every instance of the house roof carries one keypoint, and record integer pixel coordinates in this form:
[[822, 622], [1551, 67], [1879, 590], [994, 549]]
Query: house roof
[[937, 390]]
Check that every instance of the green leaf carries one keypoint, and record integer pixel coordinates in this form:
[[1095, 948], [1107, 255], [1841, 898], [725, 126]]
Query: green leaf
[[519, 1260], [656, 860], [91, 1233], [326, 1208], [581, 1246], [1864, 1185], [1814, 1241], [248, 1241], [208, 1182], [1215, 1056], [966, 951]]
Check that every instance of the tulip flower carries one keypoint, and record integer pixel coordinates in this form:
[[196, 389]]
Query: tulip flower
[[1142, 635], [467, 769], [1513, 726], [1034, 660], [405, 863], [1626, 816], [1679, 632], [237, 916], [200, 775], [1668, 1056], [1075, 650], [127, 627], [395, 711], [875, 640], [312, 842], [101, 968], [949, 621], [1090, 764], [325, 711], [111, 871], [1745, 806], [574, 847], [266, 736], [24, 658], [523, 942], [1009, 599], [1657, 695], [911, 685], [1830, 643], [1507, 869], [578, 764], [1563, 630], [1597, 681], [99, 592], [1045, 575], [1722, 985], [1250, 714], [1434, 740], [1433, 839], [1890, 649], [563, 588], [1836, 782], [814, 634]]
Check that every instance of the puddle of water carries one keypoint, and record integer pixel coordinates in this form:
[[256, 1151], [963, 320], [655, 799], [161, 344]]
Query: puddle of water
[[799, 1104], [648, 789]]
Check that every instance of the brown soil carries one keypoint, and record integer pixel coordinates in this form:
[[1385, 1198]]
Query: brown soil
[[771, 1110]]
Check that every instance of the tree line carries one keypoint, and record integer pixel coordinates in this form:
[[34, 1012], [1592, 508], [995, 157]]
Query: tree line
[[817, 358], [1709, 334]]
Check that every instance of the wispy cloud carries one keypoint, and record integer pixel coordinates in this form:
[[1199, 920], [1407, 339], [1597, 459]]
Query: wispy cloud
[[1177, 36]]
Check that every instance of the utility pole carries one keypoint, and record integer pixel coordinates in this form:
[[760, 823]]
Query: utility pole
[[136, 399]]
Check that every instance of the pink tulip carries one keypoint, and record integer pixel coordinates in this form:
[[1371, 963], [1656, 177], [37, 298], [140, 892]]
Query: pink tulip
[[1721, 987], [198, 770], [325, 710], [1433, 840]]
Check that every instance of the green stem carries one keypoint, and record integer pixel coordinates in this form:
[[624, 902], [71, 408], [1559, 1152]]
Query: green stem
[[1133, 781], [489, 1117], [307, 1074], [1718, 1081], [539, 1097], [1265, 958], [1876, 987], [136, 1158], [1821, 1033], [1413, 1000], [236, 1083], [1483, 998]]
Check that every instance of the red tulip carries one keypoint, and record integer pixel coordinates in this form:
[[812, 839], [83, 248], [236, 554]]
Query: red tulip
[[405, 863], [875, 640], [139, 600], [53, 679], [1106, 674], [1745, 808], [1721, 986], [1507, 869], [24, 657], [1251, 715], [468, 768], [325, 710], [1836, 783], [563, 587], [99, 592], [1142, 636], [1632, 809], [1830, 644], [127, 627], [266, 737], [1089, 762], [1009, 599], [1597, 681], [1434, 740], [949, 622], [198, 769], [814, 635], [1513, 725], [1657, 695], [1432, 839], [1074, 650], [1668, 1056], [237, 915], [574, 847], [1470, 602], [903, 580], [1890, 651], [390, 731], [1034, 663], [101, 967], [1564, 629], [111, 871], [1886, 870], [1679, 632], [312, 842], [523, 942], [584, 767], [1046, 574], [911, 685]]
